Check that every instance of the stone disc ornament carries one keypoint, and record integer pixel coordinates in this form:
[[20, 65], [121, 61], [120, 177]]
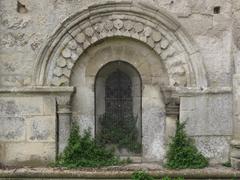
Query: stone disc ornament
[[89, 32], [80, 38], [147, 31], [164, 44], [99, 27], [66, 53], [156, 36], [138, 27], [61, 62], [72, 45], [118, 24], [108, 25], [128, 25]]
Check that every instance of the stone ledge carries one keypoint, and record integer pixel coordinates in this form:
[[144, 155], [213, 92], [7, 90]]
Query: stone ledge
[[38, 89], [180, 91], [214, 173], [193, 91]]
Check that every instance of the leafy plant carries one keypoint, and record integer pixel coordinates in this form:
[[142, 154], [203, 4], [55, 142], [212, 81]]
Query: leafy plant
[[167, 178], [227, 164], [182, 152], [141, 175], [121, 132], [83, 151]]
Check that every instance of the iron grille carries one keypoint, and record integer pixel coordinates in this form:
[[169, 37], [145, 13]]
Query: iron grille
[[118, 95], [118, 123]]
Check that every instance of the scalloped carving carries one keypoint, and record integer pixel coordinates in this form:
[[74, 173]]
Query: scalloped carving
[[156, 28], [109, 28]]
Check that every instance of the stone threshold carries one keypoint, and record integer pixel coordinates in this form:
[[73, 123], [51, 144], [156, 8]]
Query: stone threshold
[[120, 173]]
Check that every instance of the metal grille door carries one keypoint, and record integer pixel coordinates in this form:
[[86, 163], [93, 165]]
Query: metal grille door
[[118, 95], [118, 125]]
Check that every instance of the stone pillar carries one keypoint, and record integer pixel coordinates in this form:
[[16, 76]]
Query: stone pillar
[[235, 143], [172, 115], [64, 114]]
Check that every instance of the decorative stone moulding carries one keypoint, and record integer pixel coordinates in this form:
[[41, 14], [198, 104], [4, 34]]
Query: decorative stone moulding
[[140, 22]]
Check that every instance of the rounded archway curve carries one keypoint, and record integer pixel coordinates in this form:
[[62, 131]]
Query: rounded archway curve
[[103, 75], [152, 26], [118, 95]]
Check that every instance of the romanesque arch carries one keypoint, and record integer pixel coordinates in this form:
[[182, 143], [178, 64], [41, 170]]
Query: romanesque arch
[[142, 22], [160, 45]]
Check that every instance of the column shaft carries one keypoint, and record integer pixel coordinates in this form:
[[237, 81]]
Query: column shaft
[[235, 152]]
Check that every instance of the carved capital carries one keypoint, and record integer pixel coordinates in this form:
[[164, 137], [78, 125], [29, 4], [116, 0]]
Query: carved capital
[[172, 107], [63, 104]]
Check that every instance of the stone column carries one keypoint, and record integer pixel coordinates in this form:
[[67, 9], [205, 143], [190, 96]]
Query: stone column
[[235, 151], [64, 114], [172, 115]]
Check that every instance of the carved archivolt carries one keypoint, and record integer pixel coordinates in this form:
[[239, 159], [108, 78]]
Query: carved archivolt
[[164, 36]]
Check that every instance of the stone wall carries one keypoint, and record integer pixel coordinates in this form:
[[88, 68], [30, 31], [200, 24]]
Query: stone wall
[[27, 31], [27, 130], [207, 118]]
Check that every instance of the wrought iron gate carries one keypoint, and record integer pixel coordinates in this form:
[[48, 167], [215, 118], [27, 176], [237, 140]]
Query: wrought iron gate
[[118, 123], [118, 95]]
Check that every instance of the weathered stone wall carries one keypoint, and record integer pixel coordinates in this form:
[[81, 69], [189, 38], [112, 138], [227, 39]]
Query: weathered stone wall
[[27, 131], [208, 121], [27, 31], [29, 128]]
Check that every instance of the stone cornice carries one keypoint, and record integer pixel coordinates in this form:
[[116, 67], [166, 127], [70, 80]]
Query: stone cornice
[[37, 89], [182, 91], [193, 91]]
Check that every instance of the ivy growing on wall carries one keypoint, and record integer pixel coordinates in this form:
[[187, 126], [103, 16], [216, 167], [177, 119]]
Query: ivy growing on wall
[[182, 152], [122, 133], [83, 151]]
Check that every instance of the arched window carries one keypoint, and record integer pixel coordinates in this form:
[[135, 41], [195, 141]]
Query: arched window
[[118, 95], [118, 108]]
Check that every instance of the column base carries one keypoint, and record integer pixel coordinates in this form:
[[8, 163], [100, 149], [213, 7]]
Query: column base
[[235, 154], [235, 163]]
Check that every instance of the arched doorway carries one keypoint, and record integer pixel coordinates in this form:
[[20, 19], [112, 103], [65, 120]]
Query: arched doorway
[[147, 74], [154, 42], [118, 108]]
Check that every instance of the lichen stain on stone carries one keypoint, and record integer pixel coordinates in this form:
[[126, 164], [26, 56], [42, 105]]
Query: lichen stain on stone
[[8, 107], [13, 39]]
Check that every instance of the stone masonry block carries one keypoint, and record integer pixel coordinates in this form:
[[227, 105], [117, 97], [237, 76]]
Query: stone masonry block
[[12, 129], [49, 105], [41, 128], [210, 115], [15, 106], [215, 148], [32, 154]]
